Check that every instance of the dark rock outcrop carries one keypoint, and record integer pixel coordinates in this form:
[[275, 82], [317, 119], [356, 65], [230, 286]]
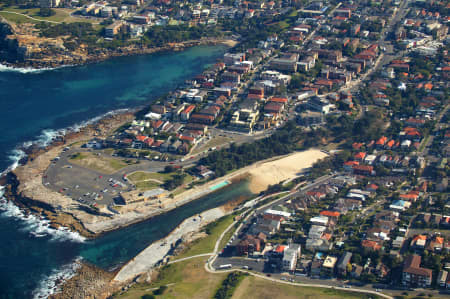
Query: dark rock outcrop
[[9, 47]]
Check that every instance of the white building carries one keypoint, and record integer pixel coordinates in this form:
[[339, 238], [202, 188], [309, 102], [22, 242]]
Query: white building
[[289, 259]]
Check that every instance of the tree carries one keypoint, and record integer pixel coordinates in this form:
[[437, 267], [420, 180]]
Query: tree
[[46, 12], [357, 259], [168, 169], [160, 291]]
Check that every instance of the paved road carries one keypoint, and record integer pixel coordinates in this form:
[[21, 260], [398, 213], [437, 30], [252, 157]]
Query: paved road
[[297, 281], [439, 123]]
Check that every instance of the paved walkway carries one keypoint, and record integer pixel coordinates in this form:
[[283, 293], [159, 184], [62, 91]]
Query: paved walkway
[[155, 253]]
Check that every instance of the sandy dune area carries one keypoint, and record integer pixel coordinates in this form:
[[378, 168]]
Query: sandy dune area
[[273, 172]]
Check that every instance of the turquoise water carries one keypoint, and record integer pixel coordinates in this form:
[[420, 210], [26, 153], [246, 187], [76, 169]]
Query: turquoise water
[[33, 107], [219, 185]]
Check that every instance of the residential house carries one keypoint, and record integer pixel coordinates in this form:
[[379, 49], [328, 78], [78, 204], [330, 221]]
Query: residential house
[[286, 62], [371, 245], [328, 265], [251, 244], [290, 259], [414, 275], [442, 278], [343, 262]]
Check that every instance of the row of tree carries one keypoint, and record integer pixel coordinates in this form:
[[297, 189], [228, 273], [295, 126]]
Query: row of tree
[[282, 142]]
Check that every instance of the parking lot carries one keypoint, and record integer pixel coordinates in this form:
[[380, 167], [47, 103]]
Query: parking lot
[[84, 185]]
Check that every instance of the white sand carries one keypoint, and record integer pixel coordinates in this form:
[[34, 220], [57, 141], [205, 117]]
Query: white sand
[[289, 167]]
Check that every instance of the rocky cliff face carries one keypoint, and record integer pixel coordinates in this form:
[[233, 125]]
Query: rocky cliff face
[[9, 46], [21, 45]]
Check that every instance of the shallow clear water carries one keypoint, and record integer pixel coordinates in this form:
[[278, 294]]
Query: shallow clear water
[[32, 256]]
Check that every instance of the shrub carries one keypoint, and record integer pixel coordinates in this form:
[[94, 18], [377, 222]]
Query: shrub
[[160, 291]]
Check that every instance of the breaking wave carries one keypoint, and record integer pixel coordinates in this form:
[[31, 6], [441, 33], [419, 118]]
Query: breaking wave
[[15, 156], [48, 135], [36, 226], [51, 284], [27, 70]]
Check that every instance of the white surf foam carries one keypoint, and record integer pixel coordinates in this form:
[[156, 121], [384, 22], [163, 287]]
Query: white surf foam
[[15, 156], [36, 226], [27, 70], [51, 283], [47, 136]]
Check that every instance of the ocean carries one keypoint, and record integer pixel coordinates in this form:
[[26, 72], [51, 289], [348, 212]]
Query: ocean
[[38, 105]]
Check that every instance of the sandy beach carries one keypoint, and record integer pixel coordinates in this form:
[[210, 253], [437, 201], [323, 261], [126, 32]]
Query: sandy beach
[[286, 168]]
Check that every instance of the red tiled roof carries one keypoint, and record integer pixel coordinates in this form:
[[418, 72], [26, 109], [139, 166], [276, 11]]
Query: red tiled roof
[[280, 248], [409, 196], [330, 213], [188, 109], [363, 167], [279, 100], [360, 155], [371, 244], [186, 138], [357, 145], [390, 143], [412, 265], [141, 138], [372, 186], [381, 141]]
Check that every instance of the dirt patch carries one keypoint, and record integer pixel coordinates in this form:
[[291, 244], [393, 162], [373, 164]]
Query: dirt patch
[[230, 205]]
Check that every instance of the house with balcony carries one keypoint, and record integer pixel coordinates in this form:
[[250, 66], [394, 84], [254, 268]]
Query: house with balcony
[[414, 275]]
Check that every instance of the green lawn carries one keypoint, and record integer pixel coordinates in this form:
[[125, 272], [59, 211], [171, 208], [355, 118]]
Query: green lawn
[[147, 185], [18, 19], [98, 163], [206, 245], [227, 237], [255, 287], [150, 180], [61, 15], [143, 176], [78, 156], [187, 279]]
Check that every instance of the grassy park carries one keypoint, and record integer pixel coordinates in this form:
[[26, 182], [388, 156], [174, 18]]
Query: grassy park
[[98, 163], [31, 15]]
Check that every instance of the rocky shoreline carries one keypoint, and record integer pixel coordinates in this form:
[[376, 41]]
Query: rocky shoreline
[[29, 174], [22, 47], [13, 179], [105, 54], [88, 282]]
